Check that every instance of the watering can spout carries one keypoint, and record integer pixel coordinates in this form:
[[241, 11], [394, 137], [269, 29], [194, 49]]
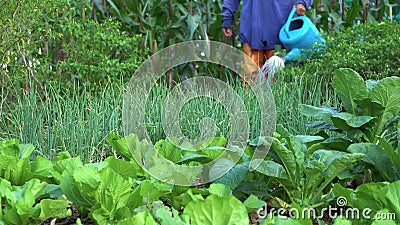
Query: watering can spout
[[293, 56]]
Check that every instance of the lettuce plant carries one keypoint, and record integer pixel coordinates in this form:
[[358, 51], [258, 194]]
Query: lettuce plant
[[305, 171], [220, 207], [368, 122], [109, 192], [378, 197], [16, 165], [30, 204]]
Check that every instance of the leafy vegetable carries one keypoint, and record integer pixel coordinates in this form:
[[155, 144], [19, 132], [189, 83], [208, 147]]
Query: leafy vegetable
[[234, 177], [376, 156], [216, 210], [371, 116], [350, 87], [24, 205], [79, 183], [306, 173], [370, 110], [167, 217], [253, 203], [379, 197], [14, 162], [220, 190], [144, 218]]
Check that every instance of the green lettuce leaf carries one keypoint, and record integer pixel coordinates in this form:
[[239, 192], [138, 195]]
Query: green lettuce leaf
[[213, 149], [119, 145], [342, 221], [142, 218], [9, 148], [111, 198], [21, 173], [169, 150], [234, 177], [320, 113], [386, 93], [376, 156], [272, 169], [51, 208], [220, 190], [14, 162], [24, 204], [253, 203], [152, 190], [79, 183], [287, 157], [25, 151], [393, 198], [62, 163], [215, 210], [124, 168], [347, 121], [41, 168], [350, 86], [376, 196], [167, 217], [335, 163], [183, 199]]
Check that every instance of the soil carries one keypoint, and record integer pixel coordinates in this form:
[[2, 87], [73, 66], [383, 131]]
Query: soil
[[326, 219], [69, 220]]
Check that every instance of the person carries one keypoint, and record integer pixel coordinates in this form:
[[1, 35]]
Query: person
[[260, 23]]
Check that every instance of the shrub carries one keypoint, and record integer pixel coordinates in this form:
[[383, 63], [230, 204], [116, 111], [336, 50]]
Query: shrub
[[54, 41], [369, 49], [94, 53]]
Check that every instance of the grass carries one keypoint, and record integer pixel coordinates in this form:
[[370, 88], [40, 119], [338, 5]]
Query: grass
[[79, 123], [295, 88]]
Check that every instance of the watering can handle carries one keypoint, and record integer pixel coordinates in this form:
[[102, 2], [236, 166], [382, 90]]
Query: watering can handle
[[287, 24]]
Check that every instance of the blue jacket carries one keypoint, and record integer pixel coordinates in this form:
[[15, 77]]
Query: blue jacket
[[260, 20]]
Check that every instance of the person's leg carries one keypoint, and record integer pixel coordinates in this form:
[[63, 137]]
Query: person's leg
[[249, 66], [268, 54], [259, 57], [254, 61]]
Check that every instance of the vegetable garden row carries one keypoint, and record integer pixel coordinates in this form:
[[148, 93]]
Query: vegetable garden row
[[64, 159], [300, 172]]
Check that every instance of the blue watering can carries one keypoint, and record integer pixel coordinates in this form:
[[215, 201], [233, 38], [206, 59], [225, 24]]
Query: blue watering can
[[300, 36]]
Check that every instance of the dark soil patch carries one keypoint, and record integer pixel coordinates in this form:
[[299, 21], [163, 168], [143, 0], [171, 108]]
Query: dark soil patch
[[326, 219], [70, 220]]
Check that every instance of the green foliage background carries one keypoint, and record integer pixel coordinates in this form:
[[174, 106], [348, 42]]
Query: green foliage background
[[63, 67], [85, 51]]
